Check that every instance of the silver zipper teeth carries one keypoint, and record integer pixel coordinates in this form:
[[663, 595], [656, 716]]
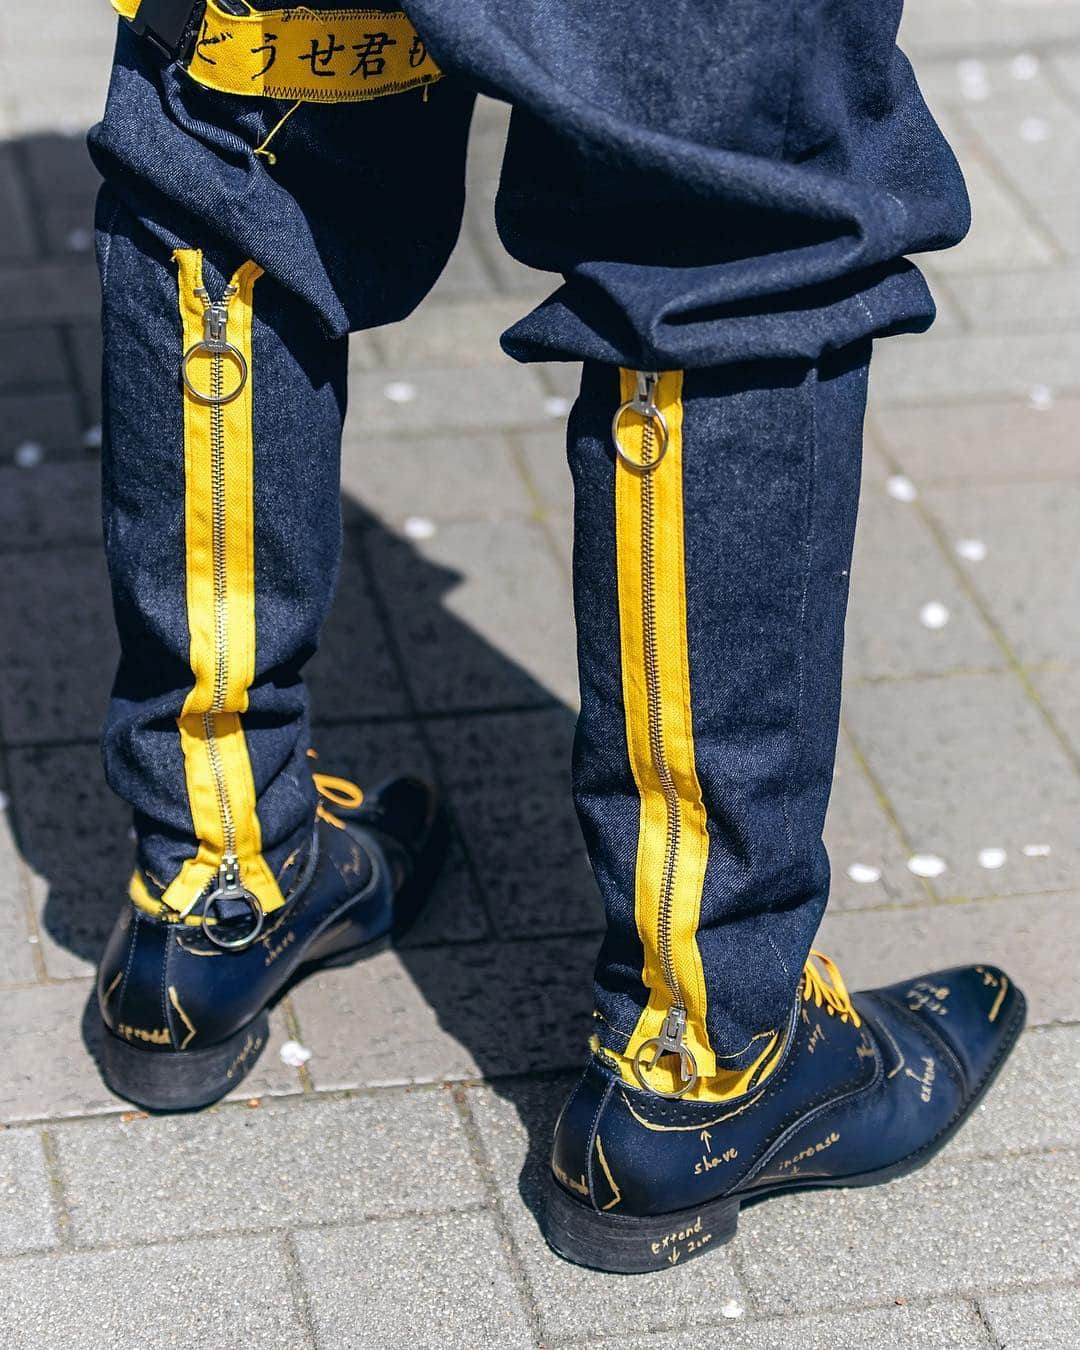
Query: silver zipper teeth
[[655, 712], [221, 613]]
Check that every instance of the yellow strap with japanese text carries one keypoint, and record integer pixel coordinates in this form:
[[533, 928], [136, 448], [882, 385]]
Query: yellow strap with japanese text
[[305, 55]]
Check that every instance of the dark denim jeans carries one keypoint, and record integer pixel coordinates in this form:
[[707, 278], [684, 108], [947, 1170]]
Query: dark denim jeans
[[727, 189]]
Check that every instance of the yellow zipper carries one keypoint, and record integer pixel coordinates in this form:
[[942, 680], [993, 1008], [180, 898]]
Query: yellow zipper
[[219, 556], [669, 1049]]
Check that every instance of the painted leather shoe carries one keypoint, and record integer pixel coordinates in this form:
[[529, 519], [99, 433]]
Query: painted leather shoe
[[185, 1019], [868, 1088]]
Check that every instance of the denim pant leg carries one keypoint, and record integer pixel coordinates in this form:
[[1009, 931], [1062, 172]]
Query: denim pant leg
[[222, 520], [728, 189]]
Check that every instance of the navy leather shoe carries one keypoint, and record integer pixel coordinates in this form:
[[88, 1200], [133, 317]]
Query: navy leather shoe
[[186, 1017], [868, 1088]]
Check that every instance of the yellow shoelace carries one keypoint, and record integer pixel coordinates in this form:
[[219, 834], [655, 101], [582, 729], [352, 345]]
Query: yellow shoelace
[[339, 792], [830, 991]]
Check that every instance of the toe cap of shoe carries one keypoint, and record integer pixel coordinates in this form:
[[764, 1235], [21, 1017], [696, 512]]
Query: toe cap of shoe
[[977, 1011]]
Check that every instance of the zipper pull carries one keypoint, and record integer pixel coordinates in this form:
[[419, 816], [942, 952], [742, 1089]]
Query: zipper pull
[[216, 319], [230, 888], [671, 1041], [215, 343], [655, 435]]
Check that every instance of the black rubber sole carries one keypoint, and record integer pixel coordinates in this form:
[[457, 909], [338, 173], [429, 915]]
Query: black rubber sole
[[188, 1080], [623, 1244]]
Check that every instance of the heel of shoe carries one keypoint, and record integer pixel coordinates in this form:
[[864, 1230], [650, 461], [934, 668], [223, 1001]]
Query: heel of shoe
[[630, 1245], [182, 1080]]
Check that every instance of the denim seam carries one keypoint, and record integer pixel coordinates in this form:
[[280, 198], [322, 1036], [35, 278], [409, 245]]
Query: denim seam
[[108, 232]]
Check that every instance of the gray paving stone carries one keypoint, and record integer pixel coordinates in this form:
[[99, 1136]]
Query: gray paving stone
[[952, 368], [17, 964], [468, 477], [987, 442], [17, 236], [78, 859], [453, 911], [57, 649], [1011, 301], [1059, 691], [464, 333], [354, 674], [30, 356], [127, 1300], [1029, 579], [948, 1325], [515, 1125], [1034, 1321], [55, 504], [482, 615], [426, 1016], [47, 292], [509, 777], [446, 401], [48, 420], [286, 1164], [27, 1221], [440, 1282], [896, 570], [956, 28], [954, 1227], [542, 454], [85, 343], [1043, 170], [969, 764], [466, 276], [1032, 937], [858, 832], [1002, 234], [1035, 1104]]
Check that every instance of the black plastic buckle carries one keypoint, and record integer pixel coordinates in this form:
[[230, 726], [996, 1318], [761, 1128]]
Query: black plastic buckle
[[170, 25]]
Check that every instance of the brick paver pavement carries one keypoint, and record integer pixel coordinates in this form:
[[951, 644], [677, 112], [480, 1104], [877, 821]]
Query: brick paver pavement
[[384, 1193]]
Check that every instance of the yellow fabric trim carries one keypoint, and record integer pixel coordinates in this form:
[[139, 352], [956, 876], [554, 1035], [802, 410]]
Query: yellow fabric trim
[[230, 685], [678, 735], [330, 56]]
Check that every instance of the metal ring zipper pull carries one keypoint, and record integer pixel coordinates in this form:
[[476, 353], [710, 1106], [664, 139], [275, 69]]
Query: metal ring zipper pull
[[642, 403], [215, 342], [229, 888], [669, 1042]]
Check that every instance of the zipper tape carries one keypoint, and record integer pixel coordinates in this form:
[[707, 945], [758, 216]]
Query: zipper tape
[[220, 571], [673, 840]]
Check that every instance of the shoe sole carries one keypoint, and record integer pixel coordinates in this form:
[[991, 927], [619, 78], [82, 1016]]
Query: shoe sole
[[189, 1080], [624, 1244]]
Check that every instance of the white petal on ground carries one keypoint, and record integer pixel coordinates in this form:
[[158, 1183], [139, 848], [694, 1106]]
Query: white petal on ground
[[556, 406], [864, 873], [934, 614], [1034, 130], [731, 1309], [92, 438], [1024, 66], [901, 488], [80, 240], [400, 391], [992, 858], [1041, 396], [294, 1054], [1036, 850], [29, 454], [973, 79], [926, 865], [972, 550], [419, 527]]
